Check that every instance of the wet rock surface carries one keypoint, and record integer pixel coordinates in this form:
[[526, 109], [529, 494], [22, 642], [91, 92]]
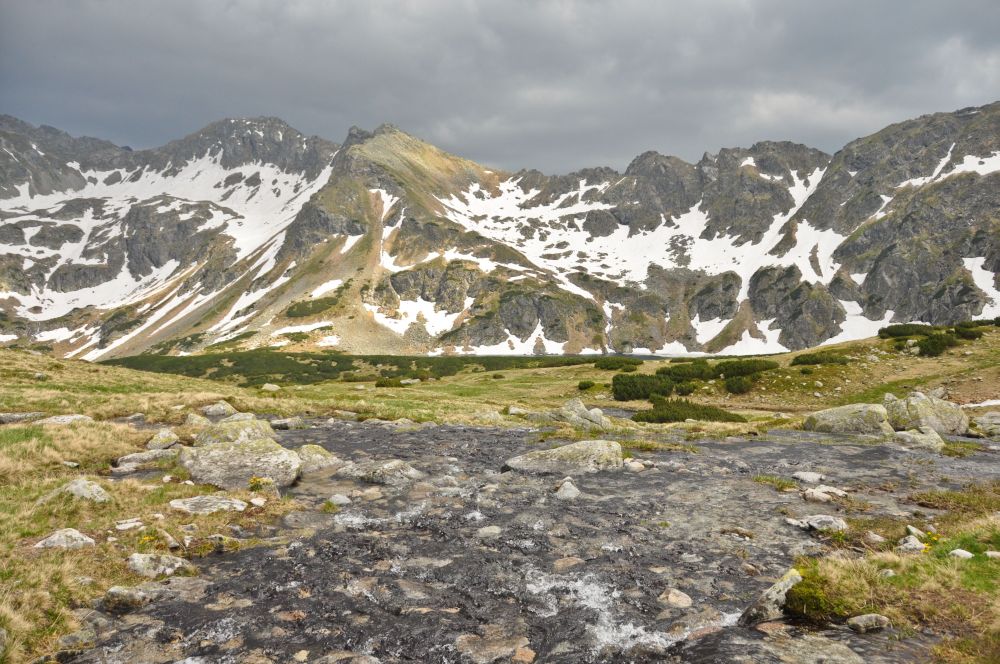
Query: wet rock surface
[[638, 567]]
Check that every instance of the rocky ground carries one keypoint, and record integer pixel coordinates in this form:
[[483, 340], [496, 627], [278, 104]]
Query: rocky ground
[[446, 557]]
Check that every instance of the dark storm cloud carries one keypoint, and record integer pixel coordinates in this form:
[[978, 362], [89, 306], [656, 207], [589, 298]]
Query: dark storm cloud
[[554, 85]]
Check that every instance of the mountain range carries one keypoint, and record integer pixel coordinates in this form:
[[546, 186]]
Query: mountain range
[[248, 234]]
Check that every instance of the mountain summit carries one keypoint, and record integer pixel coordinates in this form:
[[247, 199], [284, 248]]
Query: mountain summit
[[250, 234]]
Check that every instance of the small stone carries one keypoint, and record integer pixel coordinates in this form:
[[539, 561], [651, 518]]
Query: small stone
[[873, 538], [567, 490], [86, 490], [909, 544], [269, 387], [634, 466], [809, 477], [162, 439], [523, 655], [887, 573], [869, 622], [675, 598], [218, 409], [489, 532], [67, 538], [258, 501], [122, 599], [916, 532], [339, 500], [129, 524], [993, 554], [70, 464], [154, 565], [65, 419], [960, 553]]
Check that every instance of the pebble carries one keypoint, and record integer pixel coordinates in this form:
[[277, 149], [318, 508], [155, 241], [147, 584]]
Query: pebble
[[960, 553], [809, 477], [675, 598], [489, 532], [869, 622]]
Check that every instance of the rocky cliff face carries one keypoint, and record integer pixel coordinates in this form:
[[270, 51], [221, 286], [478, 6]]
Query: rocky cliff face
[[249, 233]]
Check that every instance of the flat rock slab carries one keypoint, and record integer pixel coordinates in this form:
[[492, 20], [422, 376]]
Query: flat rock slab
[[586, 456], [207, 504]]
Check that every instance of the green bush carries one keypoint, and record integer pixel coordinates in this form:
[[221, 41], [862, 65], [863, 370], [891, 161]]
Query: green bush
[[388, 382], [685, 388], [905, 330], [697, 370], [935, 344], [822, 357], [585, 385], [616, 363], [496, 376], [739, 384], [731, 368], [806, 371], [626, 387], [970, 333], [678, 410], [310, 307]]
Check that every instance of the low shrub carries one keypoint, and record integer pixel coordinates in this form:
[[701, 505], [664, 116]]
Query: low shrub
[[697, 370], [731, 368], [385, 381], [616, 363], [969, 333], [822, 357], [684, 389], [935, 344], [626, 387], [678, 410], [806, 371], [585, 385], [905, 330], [497, 376], [739, 384]]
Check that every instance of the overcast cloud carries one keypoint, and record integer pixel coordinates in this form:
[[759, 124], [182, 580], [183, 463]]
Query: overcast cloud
[[552, 85]]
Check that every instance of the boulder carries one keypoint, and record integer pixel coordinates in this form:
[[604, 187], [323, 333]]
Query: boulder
[[586, 456], [232, 464], [909, 544], [196, 420], [15, 418], [163, 439], [67, 538], [869, 622], [574, 413], [989, 423], [390, 471], [567, 490], [819, 522], [123, 599], [961, 554], [85, 490], [316, 458], [207, 504], [137, 459], [809, 477], [65, 419], [239, 417], [859, 418], [771, 603], [234, 431], [924, 438], [269, 387], [919, 410], [218, 409], [289, 423], [154, 565]]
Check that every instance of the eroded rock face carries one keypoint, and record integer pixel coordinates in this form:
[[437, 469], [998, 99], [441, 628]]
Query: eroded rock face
[[231, 464], [919, 410], [861, 418], [234, 431], [586, 456]]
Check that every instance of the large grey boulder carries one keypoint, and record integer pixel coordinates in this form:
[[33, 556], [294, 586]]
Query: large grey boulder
[[316, 458], [391, 471], [924, 438], [989, 423], [67, 538], [919, 410], [586, 456], [231, 464], [234, 431], [770, 605], [218, 409], [859, 418], [154, 565], [575, 413], [15, 418], [162, 439], [85, 490], [65, 419], [207, 504]]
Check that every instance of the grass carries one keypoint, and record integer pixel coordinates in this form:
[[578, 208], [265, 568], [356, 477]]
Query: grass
[[40, 587], [779, 483], [955, 599]]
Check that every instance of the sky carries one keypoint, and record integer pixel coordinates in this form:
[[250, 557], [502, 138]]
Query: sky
[[555, 85]]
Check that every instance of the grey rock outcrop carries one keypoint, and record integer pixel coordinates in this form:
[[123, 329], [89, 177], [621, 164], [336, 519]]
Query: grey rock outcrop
[[232, 464], [234, 431], [67, 538], [862, 418], [586, 456], [925, 438], [208, 504], [154, 565], [919, 410]]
